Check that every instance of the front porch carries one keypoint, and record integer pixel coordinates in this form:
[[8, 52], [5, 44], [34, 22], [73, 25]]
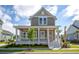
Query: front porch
[[43, 35]]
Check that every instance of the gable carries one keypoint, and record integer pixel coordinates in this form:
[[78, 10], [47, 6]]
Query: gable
[[43, 12], [76, 23], [71, 29]]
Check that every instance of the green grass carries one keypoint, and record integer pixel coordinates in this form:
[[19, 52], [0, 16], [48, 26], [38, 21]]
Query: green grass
[[74, 46], [39, 46], [24, 46], [11, 50], [56, 51], [3, 43], [40, 51]]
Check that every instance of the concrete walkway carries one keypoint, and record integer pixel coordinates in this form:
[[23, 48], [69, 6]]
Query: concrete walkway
[[39, 52]]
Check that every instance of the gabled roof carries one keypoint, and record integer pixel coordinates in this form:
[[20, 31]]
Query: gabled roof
[[76, 23], [43, 12], [73, 27], [71, 30], [6, 32]]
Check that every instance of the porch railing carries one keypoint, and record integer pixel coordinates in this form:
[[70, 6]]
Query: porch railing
[[45, 41]]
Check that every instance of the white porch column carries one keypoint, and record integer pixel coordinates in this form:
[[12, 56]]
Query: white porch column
[[12, 37], [38, 36], [28, 38], [48, 36]]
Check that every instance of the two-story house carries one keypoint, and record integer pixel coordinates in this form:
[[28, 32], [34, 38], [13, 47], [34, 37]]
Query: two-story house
[[73, 31], [4, 34], [44, 24]]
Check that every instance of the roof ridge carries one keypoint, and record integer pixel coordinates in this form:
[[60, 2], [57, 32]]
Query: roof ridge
[[75, 26]]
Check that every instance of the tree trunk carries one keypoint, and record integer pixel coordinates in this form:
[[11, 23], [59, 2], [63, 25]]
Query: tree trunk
[[30, 46]]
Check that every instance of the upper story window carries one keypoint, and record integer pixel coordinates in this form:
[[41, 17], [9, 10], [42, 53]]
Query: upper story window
[[42, 20]]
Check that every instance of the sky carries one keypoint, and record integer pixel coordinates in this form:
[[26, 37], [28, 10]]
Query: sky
[[19, 14]]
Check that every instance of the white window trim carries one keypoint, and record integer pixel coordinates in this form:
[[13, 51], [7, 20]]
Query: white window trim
[[42, 20], [42, 36], [23, 35]]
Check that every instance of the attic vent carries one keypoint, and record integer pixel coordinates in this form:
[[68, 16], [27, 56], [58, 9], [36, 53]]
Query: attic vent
[[42, 13]]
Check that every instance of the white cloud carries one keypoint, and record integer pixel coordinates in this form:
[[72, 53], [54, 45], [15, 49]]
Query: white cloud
[[1, 13], [6, 17], [29, 10], [76, 18], [71, 10], [26, 10], [17, 18], [7, 25], [53, 9], [39, 2]]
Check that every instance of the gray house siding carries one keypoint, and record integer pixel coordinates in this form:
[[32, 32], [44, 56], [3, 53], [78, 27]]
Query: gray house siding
[[34, 21], [50, 21]]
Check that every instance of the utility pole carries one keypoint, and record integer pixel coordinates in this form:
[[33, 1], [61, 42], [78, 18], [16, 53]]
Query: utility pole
[[65, 34]]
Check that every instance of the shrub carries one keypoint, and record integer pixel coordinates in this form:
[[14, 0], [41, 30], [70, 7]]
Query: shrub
[[2, 40], [74, 41], [66, 45]]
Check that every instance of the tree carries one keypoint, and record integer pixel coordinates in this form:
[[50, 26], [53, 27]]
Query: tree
[[31, 35], [0, 34], [65, 35], [58, 39], [1, 22], [58, 30]]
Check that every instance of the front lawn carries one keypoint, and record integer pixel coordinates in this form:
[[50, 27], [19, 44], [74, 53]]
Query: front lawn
[[56, 50], [32, 46], [42, 51], [3, 43], [74, 46], [38, 50], [24, 46], [11, 50]]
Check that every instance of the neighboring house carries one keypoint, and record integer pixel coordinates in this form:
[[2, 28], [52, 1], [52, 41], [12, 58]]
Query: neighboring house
[[44, 24], [4, 34], [73, 31]]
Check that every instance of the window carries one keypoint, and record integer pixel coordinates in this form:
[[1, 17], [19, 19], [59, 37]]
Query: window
[[42, 34], [24, 35], [42, 20]]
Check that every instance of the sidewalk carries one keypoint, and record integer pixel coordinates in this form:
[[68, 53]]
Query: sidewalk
[[39, 48], [39, 52]]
